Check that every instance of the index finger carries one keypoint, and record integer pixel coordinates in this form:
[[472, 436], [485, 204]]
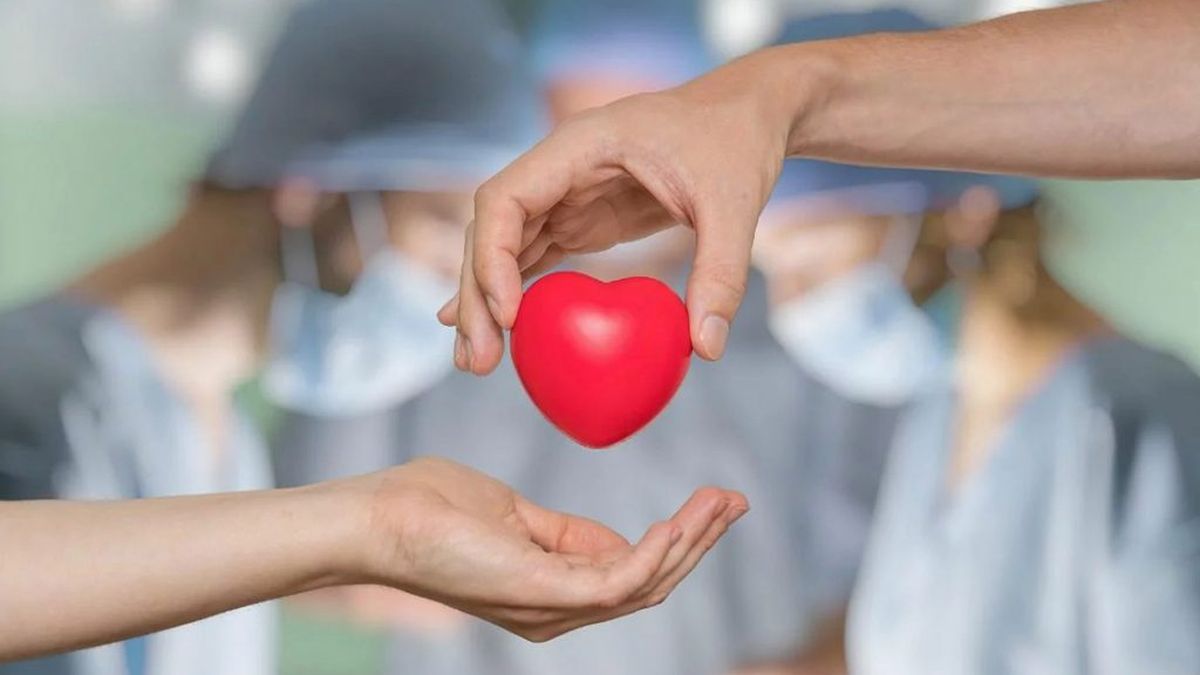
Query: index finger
[[567, 160]]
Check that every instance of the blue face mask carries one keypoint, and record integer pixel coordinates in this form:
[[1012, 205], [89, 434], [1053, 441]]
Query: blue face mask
[[862, 335], [375, 347]]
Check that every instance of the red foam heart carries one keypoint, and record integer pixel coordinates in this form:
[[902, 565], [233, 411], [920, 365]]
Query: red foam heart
[[600, 360]]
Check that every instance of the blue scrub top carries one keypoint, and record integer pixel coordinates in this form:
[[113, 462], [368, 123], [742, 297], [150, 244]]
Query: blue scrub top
[[84, 414], [1075, 548]]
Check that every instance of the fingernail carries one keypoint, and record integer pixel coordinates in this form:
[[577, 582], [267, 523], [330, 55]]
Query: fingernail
[[460, 353], [714, 332], [721, 510], [676, 534], [737, 514]]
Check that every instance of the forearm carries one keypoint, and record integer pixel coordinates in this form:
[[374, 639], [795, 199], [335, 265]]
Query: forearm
[[1109, 89], [75, 574]]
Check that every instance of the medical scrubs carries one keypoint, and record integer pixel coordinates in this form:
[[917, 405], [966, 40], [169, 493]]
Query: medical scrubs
[[751, 422], [1074, 548], [85, 415]]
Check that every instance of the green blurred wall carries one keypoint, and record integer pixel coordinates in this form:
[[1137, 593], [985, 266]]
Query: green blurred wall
[[1132, 249], [75, 188]]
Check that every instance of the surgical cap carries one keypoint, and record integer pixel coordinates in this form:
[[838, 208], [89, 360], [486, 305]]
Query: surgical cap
[[804, 178], [382, 95], [657, 40]]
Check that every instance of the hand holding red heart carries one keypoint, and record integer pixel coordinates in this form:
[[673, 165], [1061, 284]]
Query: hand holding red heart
[[618, 174], [445, 532]]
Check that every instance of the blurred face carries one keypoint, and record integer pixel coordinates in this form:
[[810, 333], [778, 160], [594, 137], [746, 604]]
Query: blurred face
[[569, 96], [425, 227], [798, 252]]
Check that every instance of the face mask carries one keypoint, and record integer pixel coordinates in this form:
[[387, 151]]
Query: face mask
[[375, 347], [862, 336]]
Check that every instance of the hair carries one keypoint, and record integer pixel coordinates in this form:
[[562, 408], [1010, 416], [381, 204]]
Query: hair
[[1010, 259]]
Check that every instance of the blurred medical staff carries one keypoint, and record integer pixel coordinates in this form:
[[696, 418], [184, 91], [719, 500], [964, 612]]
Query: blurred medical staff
[[1038, 507], [121, 384]]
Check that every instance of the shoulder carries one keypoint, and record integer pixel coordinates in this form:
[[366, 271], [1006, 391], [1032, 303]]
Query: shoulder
[[1134, 377], [42, 354], [1150, 405], [42, 360]]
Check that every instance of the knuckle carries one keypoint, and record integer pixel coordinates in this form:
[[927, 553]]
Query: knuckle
[[486, 195], [726, 278]]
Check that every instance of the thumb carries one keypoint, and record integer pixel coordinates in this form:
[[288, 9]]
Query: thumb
[[718, 280], [563, 533]]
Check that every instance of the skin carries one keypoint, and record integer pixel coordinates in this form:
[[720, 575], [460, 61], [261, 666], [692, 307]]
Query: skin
[[430, 527], [1099, 90]]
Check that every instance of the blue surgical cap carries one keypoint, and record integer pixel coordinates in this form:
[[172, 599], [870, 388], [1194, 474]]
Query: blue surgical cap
[[805, 177], [386, 95], [657, 40]]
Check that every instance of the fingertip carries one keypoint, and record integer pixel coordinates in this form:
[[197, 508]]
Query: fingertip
[[738, 500], [712, 337], [485, 355], [448, 314], [499, 311], [715, 292]]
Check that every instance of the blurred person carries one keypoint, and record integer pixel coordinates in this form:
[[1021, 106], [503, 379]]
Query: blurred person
[[758, 601], [287, 255], [1037, 510], [587, 53]]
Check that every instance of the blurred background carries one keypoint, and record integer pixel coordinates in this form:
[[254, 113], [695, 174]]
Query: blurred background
[[110, 111], [111, 108]]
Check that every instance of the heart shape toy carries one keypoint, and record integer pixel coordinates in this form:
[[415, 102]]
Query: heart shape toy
[[600, 360]]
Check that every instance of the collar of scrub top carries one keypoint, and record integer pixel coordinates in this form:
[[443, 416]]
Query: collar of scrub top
[[378, 94], [660, 41]]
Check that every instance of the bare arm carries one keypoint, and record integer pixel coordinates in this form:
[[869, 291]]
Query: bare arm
[[1100, 90], [1107, 89], [75, 574]]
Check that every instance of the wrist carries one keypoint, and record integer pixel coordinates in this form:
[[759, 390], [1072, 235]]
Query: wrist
[[331, 532], [796, 87]]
